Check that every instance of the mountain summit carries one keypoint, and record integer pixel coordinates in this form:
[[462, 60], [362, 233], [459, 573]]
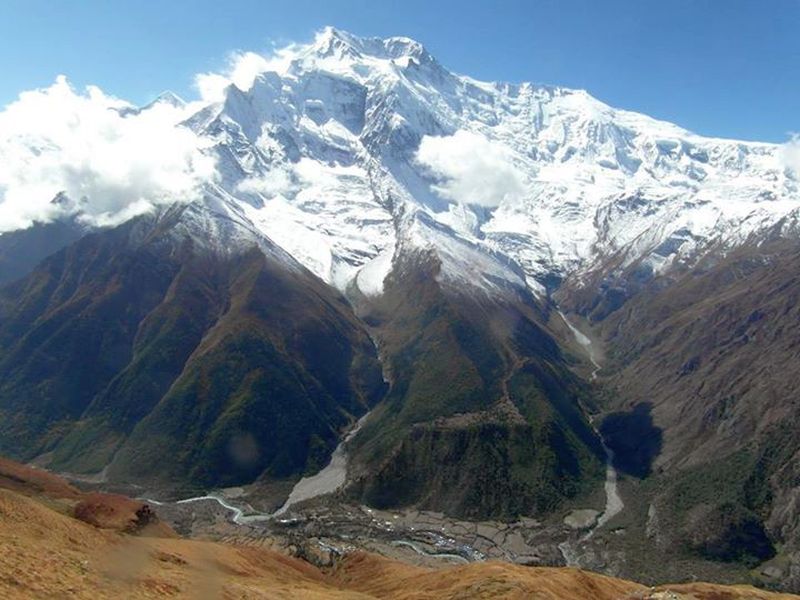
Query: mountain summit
[[361, 134], [333, 149]]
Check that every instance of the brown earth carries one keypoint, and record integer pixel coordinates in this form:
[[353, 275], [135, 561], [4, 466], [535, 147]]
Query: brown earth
[[104, 511], [29, 481], [47, 553]]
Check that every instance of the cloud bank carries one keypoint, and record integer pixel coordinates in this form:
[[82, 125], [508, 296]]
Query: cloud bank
[[112, 161], [280, 181], [471, 169]]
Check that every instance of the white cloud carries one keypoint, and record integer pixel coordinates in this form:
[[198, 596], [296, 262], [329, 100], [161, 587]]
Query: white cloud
[[288, 179], [277, 182], [472, 169], [56, 140], [211, 86], [242, 70], [790, 154]]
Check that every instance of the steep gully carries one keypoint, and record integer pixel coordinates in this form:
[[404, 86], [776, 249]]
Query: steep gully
[[333, 476]]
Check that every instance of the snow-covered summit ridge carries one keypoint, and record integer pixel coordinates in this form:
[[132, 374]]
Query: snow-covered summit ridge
[[331, 41], [334, 139], [346, 150]]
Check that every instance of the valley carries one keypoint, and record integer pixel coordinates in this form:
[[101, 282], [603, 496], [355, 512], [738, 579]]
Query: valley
[[48, 549], [579, 352], [613, 503]]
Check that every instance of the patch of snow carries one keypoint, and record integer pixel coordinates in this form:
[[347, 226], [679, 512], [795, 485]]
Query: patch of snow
[[370, 278]]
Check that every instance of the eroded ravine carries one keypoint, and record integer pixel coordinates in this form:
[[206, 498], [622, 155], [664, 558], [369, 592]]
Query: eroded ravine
[[329, 479]]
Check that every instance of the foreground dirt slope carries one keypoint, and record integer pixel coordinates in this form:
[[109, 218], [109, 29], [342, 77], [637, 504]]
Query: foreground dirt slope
[[386, 579], [45, 552]]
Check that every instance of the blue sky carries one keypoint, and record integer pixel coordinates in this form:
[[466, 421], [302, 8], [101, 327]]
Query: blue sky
[[727, 68]]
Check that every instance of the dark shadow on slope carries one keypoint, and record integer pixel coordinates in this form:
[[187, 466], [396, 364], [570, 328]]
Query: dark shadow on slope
[[635, 440]]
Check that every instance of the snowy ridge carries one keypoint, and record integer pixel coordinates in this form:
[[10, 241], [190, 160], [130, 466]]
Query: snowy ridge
[[339, 149], [218, 225], [463, 264], [323, 154]]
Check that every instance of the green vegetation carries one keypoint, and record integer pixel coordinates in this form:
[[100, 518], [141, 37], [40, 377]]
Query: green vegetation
[[483, 418], [163, 363], [718, 509]]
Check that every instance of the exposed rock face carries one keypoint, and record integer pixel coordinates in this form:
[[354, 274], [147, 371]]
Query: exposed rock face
[[112, 511]]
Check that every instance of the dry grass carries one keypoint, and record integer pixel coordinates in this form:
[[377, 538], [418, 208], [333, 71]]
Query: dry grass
[[29, 480], [382, 578], [47, 553]]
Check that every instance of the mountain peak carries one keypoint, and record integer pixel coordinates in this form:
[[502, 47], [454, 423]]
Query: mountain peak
[[166, 98], [336, 42], [171, 98], [305, 138]]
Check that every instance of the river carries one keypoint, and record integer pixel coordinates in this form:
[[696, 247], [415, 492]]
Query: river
[[327, 481], [614, 503]]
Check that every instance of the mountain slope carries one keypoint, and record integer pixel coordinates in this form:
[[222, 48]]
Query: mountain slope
[[194, 345], [716, 373], [483, 418], [145, 338], [21, 251]]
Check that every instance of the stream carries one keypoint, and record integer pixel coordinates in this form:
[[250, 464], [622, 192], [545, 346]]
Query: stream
[[423, 552], [333, 476], [614, 504], [328, 480]]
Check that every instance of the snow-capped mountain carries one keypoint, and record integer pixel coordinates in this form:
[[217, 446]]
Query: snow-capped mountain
[[344, 149], [347, 144], [187, 341]]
